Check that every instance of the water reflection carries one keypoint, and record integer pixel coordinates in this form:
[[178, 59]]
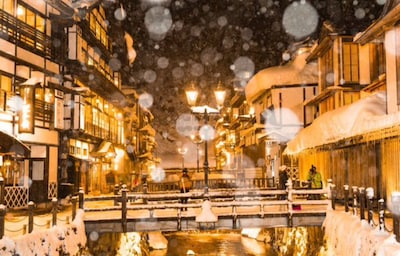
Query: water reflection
[[207, 243], [275, 241]]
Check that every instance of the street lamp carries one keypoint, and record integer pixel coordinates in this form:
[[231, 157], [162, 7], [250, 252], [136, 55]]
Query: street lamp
[[182, 151], [191, 95], [197, 140]]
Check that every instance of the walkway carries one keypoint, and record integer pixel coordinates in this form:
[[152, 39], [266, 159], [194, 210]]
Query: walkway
[[167, 212]]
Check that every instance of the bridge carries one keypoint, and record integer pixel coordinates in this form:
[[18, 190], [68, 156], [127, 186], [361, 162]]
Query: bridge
[[225, 208], [220, 208]]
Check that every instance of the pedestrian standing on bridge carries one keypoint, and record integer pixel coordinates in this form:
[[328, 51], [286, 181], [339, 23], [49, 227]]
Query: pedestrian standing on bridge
[[283, 179], [185, 184], [315, 181]]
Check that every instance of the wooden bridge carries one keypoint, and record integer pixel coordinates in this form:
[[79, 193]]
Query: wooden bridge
[[218, 209]]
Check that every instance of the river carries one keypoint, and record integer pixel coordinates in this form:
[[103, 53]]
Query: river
[[274, 241]]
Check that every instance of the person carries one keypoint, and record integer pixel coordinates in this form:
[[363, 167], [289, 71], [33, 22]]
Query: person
[[283, 178], [185, 184], [314, 180]]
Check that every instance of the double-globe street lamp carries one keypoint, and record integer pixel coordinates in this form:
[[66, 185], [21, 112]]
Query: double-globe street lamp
[[206, 132]]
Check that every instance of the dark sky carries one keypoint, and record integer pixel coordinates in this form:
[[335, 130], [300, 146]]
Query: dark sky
[[183, 41]]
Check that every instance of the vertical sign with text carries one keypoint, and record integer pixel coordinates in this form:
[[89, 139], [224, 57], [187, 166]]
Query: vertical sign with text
[[26, 113]]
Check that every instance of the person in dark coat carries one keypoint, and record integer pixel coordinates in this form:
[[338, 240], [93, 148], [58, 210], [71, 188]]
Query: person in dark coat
[[185, 184], [283, 178]]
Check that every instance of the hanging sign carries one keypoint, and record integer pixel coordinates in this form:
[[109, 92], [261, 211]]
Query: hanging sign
[[25, 121]]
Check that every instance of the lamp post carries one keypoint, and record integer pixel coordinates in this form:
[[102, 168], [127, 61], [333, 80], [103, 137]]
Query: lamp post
[[182, 151], [197, 140], [191, 95]]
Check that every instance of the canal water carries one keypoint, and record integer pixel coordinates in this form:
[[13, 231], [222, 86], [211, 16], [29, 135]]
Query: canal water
[[275, 241]]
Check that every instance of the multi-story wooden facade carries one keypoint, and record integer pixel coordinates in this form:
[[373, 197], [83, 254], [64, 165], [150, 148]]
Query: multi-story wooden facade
[[237, 117], [62, 103], [31, 101], [276, 96], [362, 101]]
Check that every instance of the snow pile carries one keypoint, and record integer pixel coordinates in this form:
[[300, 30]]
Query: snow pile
[[251, 232], [157, 241], [206, 215], [367, 114], [298, 71], [129, 244], [58, 240], [345, 234]]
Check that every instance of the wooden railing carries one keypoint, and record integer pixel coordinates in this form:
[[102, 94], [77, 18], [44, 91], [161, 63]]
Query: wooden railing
[[28, 37], [170, 186], [230, 203]]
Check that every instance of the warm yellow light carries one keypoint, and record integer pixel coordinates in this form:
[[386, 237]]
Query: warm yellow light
[[20, 11], [191, 95], [252, 111], [220, 94], [182, 151]]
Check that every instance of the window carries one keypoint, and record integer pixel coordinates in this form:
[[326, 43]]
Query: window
[[40, 23], [44, 102], [377, 61], [350, 63], [98, 25], [5, 91], [7, 5], [12, 171], [34, 20], [88, 117], [327, 69], [31, 18]]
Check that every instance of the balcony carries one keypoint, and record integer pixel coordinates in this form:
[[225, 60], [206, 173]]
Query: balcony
[[89, 36], [97, 82], [27, 37]]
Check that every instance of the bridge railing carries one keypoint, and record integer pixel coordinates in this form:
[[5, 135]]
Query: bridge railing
[[261, 183], [24, 224], [229, 202]]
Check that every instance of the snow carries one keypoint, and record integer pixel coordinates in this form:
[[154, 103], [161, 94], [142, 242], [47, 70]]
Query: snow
[[251, 232], [206, 215], [70, 238], [346, 234], [157, 241], [296, 72], [366, 115]]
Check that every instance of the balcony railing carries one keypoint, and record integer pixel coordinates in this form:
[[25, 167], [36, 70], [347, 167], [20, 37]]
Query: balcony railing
[[44, 111], [23, 35]]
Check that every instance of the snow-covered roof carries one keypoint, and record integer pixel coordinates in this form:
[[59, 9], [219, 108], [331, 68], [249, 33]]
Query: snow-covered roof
[[366, 115], [295, 72]]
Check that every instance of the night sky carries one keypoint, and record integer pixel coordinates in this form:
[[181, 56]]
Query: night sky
[[206, 42]]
